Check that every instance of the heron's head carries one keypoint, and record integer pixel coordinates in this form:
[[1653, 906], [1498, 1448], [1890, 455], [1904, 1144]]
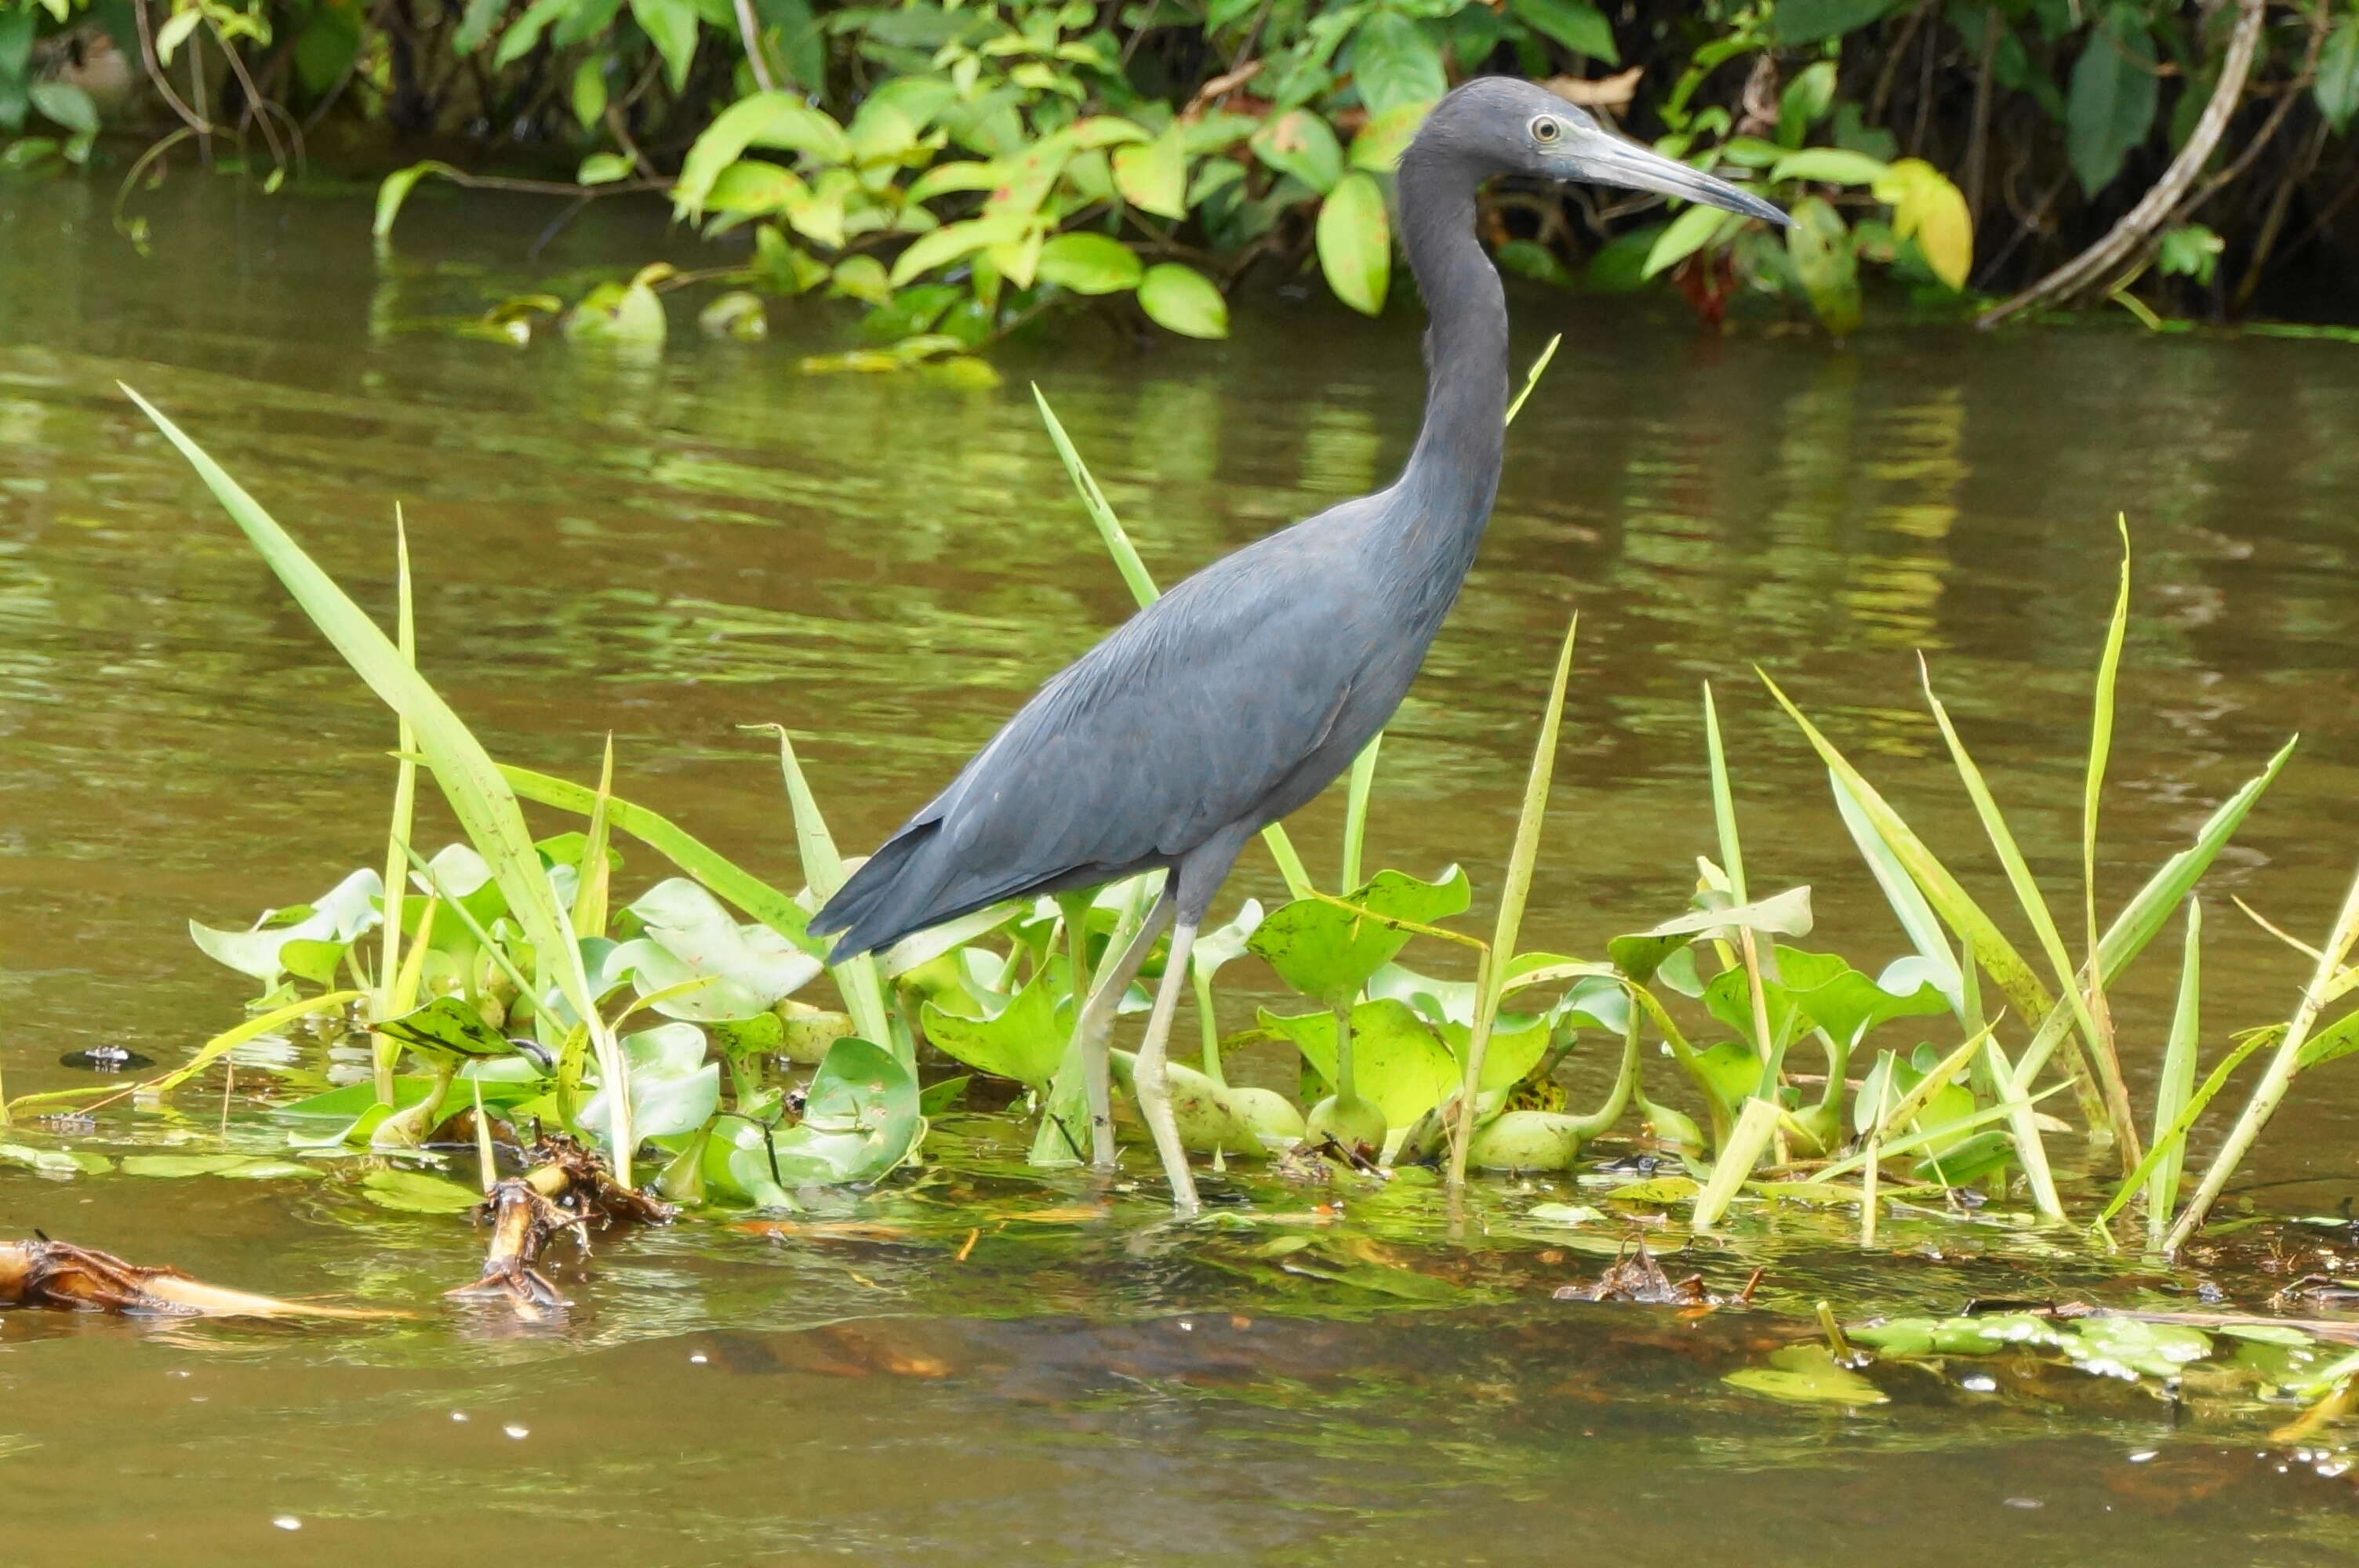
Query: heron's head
[[1506, 126]]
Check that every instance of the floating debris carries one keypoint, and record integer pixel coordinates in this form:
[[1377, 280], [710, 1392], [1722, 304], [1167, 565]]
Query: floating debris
[[62, 1277], [569, 1188]]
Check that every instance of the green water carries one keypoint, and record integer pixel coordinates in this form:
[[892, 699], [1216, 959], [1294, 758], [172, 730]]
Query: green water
[[670, 546]]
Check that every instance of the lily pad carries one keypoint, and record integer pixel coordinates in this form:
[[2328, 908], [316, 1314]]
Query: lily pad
[[413, 1192], [1807, 1374]]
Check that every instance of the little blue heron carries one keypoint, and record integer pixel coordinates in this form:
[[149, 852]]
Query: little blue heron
[[1242, 692]]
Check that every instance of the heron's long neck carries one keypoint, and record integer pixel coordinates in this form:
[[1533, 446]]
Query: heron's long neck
[[1454, 472]]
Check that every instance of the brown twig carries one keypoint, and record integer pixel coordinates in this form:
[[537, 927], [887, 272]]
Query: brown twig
[[2089, 270]]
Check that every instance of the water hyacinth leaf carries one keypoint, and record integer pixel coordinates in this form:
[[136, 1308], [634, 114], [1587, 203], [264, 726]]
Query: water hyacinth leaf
[[1846, 1003], [673, 1088], [1640, 953], [1183, 300], [2110, 107], [485, 805], [1224, 945], [1301, 144], [241, 1167], [1088, 263], [447, 1030], [1397, 1063], [1328, 952], [619, 313], [860, 1119], [344, 913], [1214, 1117], [1516, 1048], [1355, 243], [413, 1192], [42, 1162], [1025, 1042], [750, 966], [1807, 1374]]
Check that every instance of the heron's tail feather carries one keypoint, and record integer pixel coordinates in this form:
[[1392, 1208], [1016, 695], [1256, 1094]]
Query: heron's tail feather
[[887, 898]]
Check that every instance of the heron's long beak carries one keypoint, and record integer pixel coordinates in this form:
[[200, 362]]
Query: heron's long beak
[[1611, 160]]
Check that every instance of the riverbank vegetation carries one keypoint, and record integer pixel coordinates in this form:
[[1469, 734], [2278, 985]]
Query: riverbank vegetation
[[956, 170]]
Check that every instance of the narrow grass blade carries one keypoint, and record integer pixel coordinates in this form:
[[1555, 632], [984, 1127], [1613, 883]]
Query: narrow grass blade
[[1738, 1154], [1513, 894], [1723, 802], [2176, 1083], [593, 873], [1995, 954], [1532, 377], [1355, 810], [2114, 1109], [486, 807], [2101, 737], [2283, 1065], [385, 1052], [2143, 918], [212, 1051], [1142, 588], [2023, 1128], [727, 879], [2175, 1135], [1916, 916], [864, 991]]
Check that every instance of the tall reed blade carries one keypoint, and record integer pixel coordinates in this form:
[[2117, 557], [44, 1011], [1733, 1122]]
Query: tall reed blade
[[2271, 1091], [1355, 810], [1513, 894], [486, 807], [1724, 801], [863, 988], [383, 1051], [2177, 1082], [2100, 740], [1142, 588], [1747, 1142], [1532, 377], [2114, 1110]]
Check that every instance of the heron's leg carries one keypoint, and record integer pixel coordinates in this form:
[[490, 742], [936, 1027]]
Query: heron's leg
[[1154, 1091], [1096, 1027]]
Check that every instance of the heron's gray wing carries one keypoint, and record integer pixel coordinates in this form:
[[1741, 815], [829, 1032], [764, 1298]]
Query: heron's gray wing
[[1186, 719]]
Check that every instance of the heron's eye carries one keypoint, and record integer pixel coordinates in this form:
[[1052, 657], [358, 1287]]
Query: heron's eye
[[1546, 128]]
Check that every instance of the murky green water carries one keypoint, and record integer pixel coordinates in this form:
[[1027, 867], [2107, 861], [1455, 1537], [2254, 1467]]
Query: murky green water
[[667, 547]]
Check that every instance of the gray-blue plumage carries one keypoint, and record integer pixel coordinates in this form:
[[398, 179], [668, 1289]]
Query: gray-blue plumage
[[1242, 692]]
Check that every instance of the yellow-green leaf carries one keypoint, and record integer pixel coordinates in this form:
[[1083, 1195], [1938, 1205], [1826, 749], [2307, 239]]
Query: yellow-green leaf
[[1355, 242], [1183, 300]]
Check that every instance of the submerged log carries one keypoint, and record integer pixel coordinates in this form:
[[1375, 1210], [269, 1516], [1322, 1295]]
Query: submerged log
[[65, 1278]]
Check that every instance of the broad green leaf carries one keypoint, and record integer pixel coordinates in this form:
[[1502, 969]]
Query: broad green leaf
[[1578, 26], [1807, 21], [1378, 144], [605, 168], [750, 187], [673, 1088], [1819, 243], [1397, 1063], [1355, 243], [1515, 1048], [66, 104], [764, 120], [1930, 209], [751, 966], [396, 187], [1805, 101], [345, 911], [954, 243], [670, 26], [2110, 109], [447, 1030], [860, 1119], [1640, 953], [1025, 1040], [2336, 86], [413, 1192], [1183, 300], [1153, 175], [1327, 951], [1807, 1374], [1830, 165], [1686, 234], [1396, 60], [1301, 143], [619, 313], [1088, 263]]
